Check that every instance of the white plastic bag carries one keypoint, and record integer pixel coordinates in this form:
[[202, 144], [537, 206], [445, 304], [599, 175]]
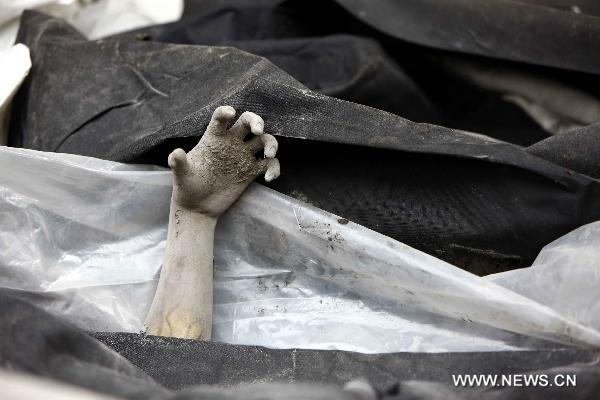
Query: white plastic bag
[[15, 64], [87, 237], [94, 18]]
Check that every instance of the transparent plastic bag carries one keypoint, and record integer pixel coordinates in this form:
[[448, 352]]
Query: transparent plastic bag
[[565, 276], [86, 237]]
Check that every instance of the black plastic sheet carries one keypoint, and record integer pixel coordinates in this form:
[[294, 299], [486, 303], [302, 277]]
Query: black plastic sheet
[[296, 38], [542, 32], [354, 70], [134, 366], [480, 203]]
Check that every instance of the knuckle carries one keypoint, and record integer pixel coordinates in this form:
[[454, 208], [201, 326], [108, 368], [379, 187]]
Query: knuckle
[[224, 112]]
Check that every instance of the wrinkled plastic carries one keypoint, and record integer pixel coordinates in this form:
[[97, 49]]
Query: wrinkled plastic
[[86, 237], [96, 18], [565, 276]]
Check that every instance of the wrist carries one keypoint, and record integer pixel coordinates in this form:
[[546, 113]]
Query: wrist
[[192, 214]]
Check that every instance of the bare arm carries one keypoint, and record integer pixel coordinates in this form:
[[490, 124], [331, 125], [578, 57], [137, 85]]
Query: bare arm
[[206, 181]]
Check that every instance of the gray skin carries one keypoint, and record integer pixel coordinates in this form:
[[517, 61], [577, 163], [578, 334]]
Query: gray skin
[[206, 181]]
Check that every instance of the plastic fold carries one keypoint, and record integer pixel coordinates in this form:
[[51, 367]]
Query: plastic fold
[[85, 239]]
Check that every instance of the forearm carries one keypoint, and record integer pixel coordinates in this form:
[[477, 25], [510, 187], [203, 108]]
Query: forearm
[[182, 305], [206, 181]]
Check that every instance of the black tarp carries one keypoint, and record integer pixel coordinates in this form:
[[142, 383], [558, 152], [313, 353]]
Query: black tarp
[[297, 38], [345, 145], [135, 366], [543, 32], [483, 204]]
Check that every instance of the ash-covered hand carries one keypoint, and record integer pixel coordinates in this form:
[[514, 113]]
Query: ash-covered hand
[[214, 174], [206, 181]]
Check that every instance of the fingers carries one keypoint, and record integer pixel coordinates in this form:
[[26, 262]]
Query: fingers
[[271, 145], [247, 122], [220, 119], [266, 142], [270, 167], [178, 162]]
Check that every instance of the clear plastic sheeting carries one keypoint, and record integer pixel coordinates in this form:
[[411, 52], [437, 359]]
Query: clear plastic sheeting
[[565, 276], [95, 18], [84, 238]]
